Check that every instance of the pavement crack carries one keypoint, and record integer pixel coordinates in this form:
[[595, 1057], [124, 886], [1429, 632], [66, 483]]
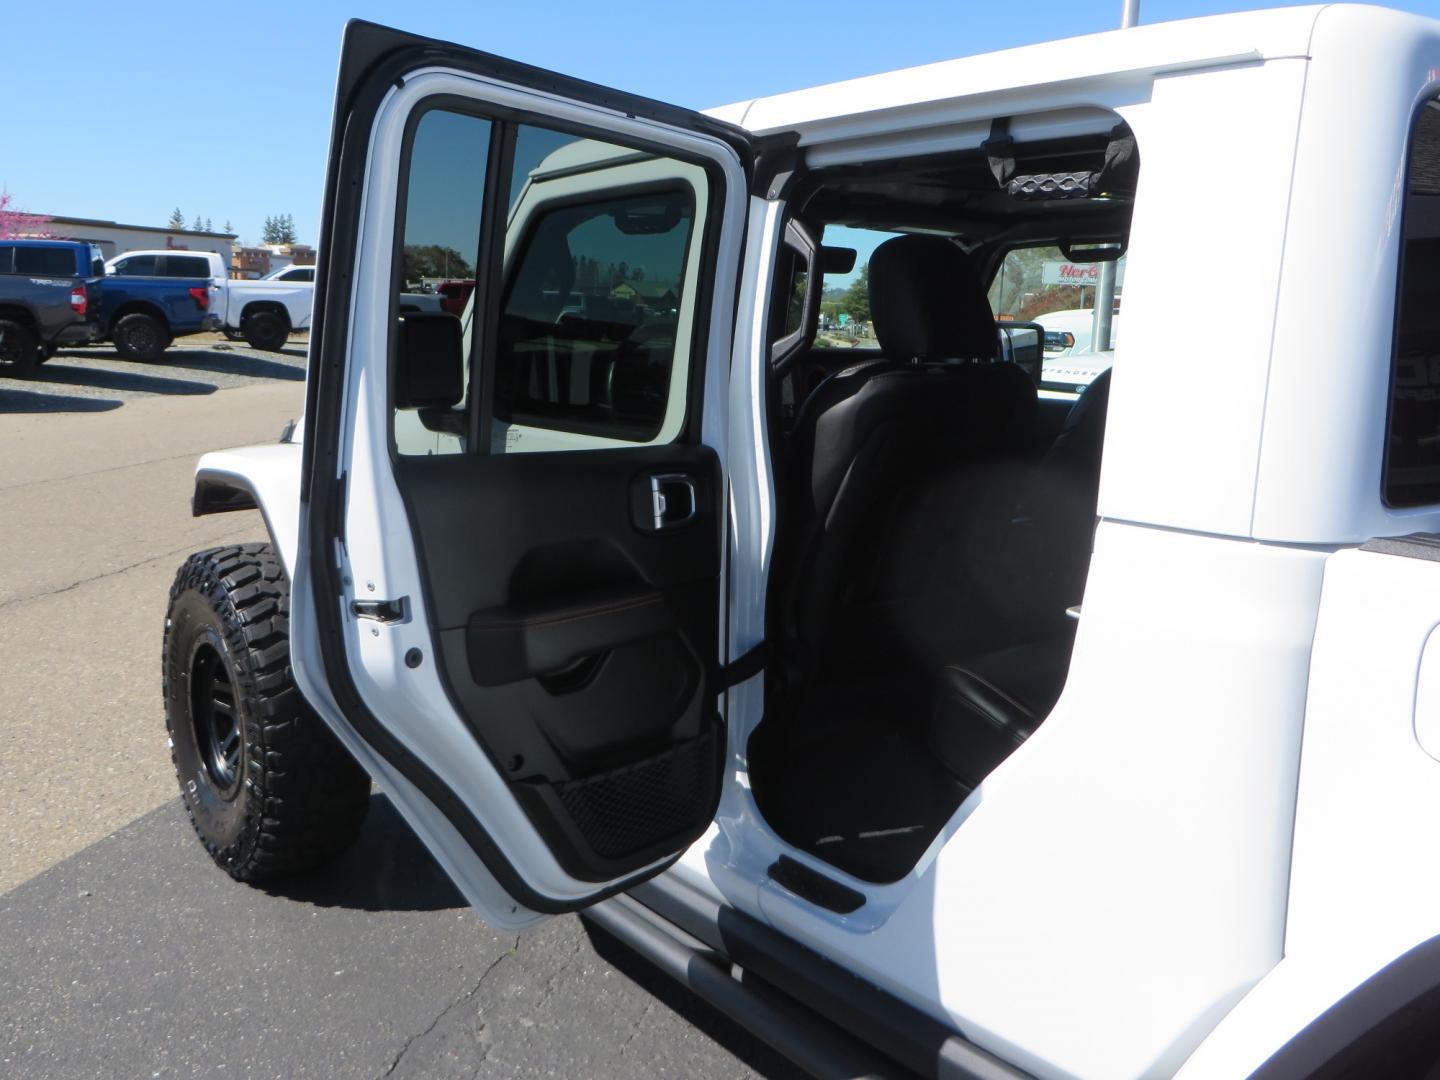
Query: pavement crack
[[17, 600], [465, 996], [188, 456]]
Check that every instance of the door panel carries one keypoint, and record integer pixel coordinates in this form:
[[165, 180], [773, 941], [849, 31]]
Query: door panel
[[530, 639], [531, 546]]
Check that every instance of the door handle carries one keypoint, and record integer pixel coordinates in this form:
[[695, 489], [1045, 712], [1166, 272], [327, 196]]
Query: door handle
[[672, 501]]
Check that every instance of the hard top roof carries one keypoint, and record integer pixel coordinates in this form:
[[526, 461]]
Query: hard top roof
[[1145, 49]]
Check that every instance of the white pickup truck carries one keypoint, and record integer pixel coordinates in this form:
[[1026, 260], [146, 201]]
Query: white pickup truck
[[922, 721], [263, 313]]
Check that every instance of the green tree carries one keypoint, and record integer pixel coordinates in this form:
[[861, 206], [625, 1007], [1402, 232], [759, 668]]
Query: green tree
[[228, 227], [199, 225], [209, 225], [857, 298], [279, 229], [177, 219], [435, 261]]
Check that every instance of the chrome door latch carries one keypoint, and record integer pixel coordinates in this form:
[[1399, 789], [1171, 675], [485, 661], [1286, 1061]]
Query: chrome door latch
[[382, 611]]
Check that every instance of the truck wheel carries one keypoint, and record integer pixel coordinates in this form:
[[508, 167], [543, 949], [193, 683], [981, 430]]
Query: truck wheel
[[46, 352], [268, 787], [19, 348], [265, 330], [139, 337]]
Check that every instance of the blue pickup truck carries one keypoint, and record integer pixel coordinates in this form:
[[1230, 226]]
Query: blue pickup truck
[[56, 292]]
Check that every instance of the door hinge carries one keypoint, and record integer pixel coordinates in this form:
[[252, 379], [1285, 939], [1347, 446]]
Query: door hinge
[[385, 611]]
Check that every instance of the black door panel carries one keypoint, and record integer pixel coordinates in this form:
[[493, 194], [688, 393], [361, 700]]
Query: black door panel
[[579, 642]]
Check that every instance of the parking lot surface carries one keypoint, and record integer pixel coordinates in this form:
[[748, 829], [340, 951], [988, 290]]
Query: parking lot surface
[[127, 952]]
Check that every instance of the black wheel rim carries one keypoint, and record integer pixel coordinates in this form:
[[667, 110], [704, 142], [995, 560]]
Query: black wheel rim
[[142, 338], [216, 719]]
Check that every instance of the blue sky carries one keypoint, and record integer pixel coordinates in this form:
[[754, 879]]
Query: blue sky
[[131, 109]]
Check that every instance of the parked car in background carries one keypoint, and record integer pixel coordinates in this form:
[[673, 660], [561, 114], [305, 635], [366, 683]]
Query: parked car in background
[[454, 295], [48, 293], [263, 313], [292, 273]]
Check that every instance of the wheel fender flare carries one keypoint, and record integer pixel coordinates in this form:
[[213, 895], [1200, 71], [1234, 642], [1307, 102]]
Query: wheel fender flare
[[266, 478]]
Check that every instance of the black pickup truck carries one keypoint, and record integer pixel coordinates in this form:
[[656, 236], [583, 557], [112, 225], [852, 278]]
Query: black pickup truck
[[55, 292], [49, 296]]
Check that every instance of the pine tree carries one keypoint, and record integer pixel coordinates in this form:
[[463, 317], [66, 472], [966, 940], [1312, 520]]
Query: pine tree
[[209, 227], [228, 227], [267, 233], [199, 225], [177, 219]]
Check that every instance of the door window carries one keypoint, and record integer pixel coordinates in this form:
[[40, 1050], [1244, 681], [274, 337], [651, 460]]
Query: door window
[[1412, 437], [592, 305], [187, 266]]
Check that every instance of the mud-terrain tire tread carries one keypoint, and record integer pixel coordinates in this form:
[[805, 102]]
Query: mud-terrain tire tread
[[305, 796]]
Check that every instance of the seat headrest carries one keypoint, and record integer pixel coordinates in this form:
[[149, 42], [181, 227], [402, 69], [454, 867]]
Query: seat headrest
[[928, 303]]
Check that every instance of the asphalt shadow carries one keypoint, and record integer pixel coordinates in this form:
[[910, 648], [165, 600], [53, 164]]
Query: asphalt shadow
[[691, 1007], [220, 360], [107, 379], [386, 869], [16, 400]]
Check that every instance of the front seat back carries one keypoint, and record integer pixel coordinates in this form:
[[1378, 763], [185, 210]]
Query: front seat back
[[875, 427]]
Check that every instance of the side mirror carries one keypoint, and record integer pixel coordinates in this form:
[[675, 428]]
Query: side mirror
[[430, 362]]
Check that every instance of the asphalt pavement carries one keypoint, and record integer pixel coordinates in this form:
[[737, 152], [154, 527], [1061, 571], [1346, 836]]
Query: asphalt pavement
[[126, 952]]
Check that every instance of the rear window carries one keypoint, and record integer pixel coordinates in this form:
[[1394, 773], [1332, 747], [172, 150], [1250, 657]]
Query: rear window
[[49, 262], [186, 266], [1412, 438]]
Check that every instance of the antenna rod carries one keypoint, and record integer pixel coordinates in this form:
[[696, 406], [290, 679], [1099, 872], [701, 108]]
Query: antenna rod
[[1105, 294]]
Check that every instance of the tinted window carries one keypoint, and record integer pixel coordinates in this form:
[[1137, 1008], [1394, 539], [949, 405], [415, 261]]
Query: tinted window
[[1412, 445], [137, 266], [593, 314], [307, 274], [588, 331], [186, 266], [50, 262], [7, 259], [443, 207]]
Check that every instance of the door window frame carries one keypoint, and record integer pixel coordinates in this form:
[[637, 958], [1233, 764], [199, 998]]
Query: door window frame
[[505, 119]]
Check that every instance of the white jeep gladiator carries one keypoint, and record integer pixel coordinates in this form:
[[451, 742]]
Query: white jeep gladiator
[[924, 720]]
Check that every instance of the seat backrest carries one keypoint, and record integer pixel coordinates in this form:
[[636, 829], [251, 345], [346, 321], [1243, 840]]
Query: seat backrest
[[877, 426]]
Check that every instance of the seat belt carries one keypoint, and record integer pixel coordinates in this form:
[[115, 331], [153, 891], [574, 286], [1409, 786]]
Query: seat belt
[[746, 666]]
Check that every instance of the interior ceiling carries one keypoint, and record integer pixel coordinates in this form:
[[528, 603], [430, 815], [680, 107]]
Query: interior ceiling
[[957, 194]]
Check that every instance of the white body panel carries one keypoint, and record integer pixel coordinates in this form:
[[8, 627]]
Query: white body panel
[[297, 298]]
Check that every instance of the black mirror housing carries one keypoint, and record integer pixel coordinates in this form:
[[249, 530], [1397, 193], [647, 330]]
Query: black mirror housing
[[430, 362]]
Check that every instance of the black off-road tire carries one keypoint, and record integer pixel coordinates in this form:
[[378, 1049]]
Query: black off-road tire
[[266, 330], [19, 348], [140, 337], [268, 787]]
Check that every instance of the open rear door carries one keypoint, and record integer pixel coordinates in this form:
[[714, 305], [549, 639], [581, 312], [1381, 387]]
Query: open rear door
[[508, 599]]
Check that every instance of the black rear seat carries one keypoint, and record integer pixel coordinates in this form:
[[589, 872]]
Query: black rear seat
[[988, 704]]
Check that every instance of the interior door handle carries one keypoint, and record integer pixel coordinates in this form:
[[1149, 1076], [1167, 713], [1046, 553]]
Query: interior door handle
[[672, 501]]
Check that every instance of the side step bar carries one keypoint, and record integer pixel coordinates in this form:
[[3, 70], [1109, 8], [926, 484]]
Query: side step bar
[[821, 1016], [789, 1028]]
